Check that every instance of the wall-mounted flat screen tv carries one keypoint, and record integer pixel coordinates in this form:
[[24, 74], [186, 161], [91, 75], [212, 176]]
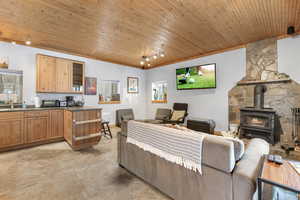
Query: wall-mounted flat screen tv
[[196, 77]]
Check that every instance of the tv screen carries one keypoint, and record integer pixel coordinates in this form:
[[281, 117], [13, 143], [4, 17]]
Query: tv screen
[[196, 77]]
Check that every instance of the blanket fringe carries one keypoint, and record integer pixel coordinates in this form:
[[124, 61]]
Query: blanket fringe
[[169, 157]]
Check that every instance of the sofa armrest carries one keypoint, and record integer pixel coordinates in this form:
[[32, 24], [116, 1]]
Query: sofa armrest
[[247, 169], [124, 126]]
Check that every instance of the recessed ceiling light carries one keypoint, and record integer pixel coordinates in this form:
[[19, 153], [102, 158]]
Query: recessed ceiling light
[[142, 62], [13, 42], [155, 56], [28, 42], [147, 59], [162, 55], [149, 65]]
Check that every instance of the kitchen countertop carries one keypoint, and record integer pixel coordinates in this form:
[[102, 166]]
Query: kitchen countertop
[[72, 109]]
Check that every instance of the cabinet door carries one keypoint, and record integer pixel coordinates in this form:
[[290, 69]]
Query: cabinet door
[[63, 75], [56, 124], [37, 129], [46, 74], [11, 133], [78, 77]]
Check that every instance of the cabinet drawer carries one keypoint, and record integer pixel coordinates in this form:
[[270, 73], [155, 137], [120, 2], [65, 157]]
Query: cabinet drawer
[[36, 114], [11, 115]]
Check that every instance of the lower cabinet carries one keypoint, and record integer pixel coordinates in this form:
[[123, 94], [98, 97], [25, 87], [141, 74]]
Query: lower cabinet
[[83, 128], [45, 125], [56, 124], [80, 129], [11, 130], [37, 129]]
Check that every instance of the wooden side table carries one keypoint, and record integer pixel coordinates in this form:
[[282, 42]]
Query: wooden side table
[[282, 176]]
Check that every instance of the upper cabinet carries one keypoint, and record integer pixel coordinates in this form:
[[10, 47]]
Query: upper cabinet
[[78, 76], [46, 74], [58, 75], [63, 76]]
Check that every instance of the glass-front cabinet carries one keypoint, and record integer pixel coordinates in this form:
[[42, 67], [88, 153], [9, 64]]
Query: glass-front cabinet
[[78, 77]]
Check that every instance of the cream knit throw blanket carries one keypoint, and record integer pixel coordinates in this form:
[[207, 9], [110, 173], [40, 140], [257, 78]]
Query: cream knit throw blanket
[[181, 147]]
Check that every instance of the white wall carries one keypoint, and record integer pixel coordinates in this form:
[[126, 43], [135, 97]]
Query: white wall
[[289, 57], [205, 103], [24, 58], [231, 67]]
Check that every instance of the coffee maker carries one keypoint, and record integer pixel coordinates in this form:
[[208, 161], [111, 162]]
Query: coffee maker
[[70, 101]]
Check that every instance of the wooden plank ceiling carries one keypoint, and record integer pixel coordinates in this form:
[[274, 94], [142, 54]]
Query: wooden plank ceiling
[[122, 31]]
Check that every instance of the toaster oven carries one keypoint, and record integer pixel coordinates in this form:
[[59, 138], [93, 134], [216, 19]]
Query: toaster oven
[[50, 103]]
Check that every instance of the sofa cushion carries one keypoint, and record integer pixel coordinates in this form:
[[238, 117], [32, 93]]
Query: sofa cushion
[[218, 153]]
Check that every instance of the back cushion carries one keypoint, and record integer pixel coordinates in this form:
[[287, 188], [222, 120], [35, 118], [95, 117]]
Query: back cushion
[[239, 147], [127, 117]]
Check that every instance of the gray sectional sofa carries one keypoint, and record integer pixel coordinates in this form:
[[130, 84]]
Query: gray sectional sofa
[[223, 178]]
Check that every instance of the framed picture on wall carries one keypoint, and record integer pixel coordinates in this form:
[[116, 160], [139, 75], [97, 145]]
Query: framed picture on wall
[[90, 86], [133, 85], [4, 62]]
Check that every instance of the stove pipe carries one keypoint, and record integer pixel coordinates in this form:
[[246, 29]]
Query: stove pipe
[[259, 91]]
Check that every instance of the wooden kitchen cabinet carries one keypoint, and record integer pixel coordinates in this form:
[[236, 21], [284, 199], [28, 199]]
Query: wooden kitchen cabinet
[[56, 124], [11, 133], [46, 74], [82, 128], [59, 75], [77, 77], [37, 127], [63, 76]]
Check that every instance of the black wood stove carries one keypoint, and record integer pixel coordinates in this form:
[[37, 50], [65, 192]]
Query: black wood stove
[[257, 121]]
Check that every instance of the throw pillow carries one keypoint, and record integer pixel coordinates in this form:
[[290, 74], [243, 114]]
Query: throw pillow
[[177, 114]]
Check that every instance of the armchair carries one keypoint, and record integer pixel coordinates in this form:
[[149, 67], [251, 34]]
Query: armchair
[[163, 114], [178, 115], [123, 114]]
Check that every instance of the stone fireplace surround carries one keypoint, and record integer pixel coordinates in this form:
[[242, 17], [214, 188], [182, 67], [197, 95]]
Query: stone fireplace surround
[[282, 93]]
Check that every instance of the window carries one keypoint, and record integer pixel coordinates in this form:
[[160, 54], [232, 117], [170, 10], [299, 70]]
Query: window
[[11, 86], [109, 92], [159, 92]]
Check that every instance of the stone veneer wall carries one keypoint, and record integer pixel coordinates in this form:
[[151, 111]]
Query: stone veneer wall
[[261, 60]]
